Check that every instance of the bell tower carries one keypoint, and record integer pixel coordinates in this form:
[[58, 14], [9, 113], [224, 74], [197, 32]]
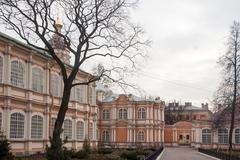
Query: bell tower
[[58, 43]]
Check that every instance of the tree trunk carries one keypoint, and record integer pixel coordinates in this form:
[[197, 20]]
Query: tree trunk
[[233, 102], [56, 141]]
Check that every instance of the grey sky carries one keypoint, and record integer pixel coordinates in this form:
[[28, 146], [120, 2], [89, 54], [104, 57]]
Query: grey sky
[[188, 38]]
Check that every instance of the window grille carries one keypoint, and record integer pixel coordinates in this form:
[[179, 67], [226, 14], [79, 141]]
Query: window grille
[[17, 73], [1, 69], [17, 125], [80, 130], [37, 80], [106, 136], [140, 136], [67, 129], [223, 136], [55, 85], [206, 136], [106, 114], [237, 136], [37, 127], [141, 113], [123, 113]]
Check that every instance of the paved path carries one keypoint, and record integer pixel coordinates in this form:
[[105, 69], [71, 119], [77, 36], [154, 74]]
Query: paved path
[[182, 153]]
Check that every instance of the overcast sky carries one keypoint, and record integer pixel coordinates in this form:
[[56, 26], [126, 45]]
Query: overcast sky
[[188, 38]]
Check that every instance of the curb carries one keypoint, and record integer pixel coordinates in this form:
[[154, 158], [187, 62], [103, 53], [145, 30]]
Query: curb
[[209, 156], [160, 155]]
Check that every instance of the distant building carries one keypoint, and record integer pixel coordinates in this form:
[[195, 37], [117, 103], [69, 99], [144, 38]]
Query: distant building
[[127, 121], [199, 127], [30, 95]]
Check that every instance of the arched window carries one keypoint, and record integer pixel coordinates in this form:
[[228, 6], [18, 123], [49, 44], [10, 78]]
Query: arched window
[[53, 120], [67, 129], [206, 136], [17, 125], [237, 136], [141, 113], [105, 136], [122, 113], [91, 131], [140, 136], [1, 69], [106, 114], [90, 95], [54, 84], [37, 127], [222, 136], [80, 93], [17, 73], [37, 80], [80, 130], [0, 121]]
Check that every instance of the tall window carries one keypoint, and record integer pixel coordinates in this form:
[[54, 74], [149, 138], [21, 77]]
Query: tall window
[[53, 120], [37, 127], [37, 80], [222, 136], [140, 136], [141, 113], [80, 130], [90, 95], [80, 93], [67, 129], [0, 121], [1, 69], [122, 113], [105, 136], [17, 73], [106, 114], [90, 131], [17, 125], [237, 136], [206, 136], [54, 84]]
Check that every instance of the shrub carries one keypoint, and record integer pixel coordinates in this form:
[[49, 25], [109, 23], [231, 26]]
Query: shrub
[[129, 155], [86, 146], [105, 151], [5, 148]]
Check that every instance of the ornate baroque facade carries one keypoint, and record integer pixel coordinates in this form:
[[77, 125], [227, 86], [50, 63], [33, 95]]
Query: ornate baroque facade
[[126, 121], [30, 95]]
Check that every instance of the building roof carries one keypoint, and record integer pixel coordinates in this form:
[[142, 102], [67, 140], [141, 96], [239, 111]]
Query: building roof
[[38, 51], [132, 98]]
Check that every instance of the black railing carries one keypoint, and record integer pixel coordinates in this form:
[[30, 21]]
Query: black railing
[[220, 155], [155, 154]]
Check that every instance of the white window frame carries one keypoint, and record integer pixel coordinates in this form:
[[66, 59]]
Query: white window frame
[[123, 114], [55, 84], [222, 136], [37, 127], [237, 135], [67, 131], [80, 129], [1, 68], [106, 114], [206, 136], [141, 136], [141, 113], [80, 93], [15, 77], [90, 130], [1, 120], [53, 120], [17, 130], [105, 136], [37, 79]]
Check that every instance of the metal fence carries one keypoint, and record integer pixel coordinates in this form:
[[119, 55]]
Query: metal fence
[[220, 155], [155, 154]]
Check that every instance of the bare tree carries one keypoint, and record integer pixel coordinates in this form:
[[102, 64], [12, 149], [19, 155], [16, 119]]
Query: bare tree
[[92, 28], [228, 91]]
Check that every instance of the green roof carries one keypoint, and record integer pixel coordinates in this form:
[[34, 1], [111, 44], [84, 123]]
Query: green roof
[[27, 46]]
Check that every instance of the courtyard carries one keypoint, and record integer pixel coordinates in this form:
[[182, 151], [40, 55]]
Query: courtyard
[[183, 153]]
